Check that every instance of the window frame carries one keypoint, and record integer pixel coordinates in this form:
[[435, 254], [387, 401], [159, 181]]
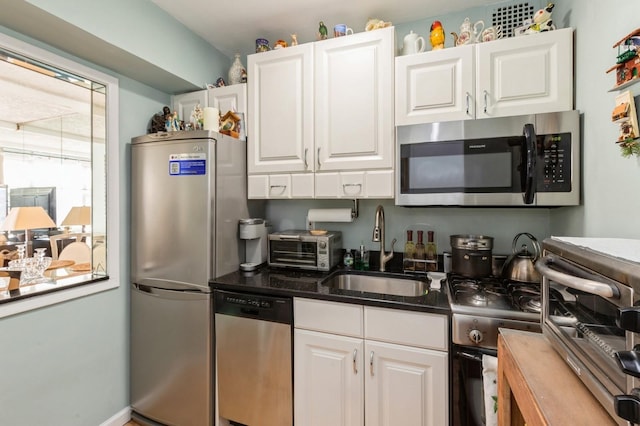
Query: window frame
[[113, 180]]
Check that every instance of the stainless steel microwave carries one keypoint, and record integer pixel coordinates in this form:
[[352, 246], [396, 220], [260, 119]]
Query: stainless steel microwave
[[530, 160]]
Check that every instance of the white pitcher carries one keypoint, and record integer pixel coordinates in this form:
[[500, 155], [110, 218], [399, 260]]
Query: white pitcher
[[413, 43]]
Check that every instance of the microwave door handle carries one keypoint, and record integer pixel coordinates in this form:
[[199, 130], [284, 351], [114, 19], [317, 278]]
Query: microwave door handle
[[588, 286], [529, 172]]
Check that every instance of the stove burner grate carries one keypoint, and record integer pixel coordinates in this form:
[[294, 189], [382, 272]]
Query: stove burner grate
[[495, 293]]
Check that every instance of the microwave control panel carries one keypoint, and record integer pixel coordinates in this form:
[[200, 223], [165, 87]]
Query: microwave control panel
[[554, 163]]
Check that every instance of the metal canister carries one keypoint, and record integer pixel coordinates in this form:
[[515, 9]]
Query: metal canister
[[471, 255]]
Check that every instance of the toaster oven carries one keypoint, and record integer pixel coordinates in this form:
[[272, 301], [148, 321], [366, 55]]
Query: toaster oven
[[300, 250], [591, 316]]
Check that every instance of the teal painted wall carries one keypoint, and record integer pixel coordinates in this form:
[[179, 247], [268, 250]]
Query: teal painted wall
[[611, 195], [144, 30]]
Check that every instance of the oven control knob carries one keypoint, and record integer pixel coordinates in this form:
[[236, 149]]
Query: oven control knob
[[322, 244], [475, 336], [627, 407], [629, 319]]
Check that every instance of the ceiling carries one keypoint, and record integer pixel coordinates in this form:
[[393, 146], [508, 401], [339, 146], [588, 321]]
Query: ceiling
[[233, 27], [40, 112]]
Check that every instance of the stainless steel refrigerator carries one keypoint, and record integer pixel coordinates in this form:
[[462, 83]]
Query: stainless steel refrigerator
[[188, 192]]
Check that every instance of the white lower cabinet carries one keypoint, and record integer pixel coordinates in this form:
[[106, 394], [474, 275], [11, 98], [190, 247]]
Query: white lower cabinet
[[328, 386], [356, 365], [405, 385]]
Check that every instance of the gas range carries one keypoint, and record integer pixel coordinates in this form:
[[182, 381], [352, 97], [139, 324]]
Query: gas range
[[480, 306]]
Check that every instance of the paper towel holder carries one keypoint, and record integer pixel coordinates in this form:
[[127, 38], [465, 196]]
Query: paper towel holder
[[354, 213]]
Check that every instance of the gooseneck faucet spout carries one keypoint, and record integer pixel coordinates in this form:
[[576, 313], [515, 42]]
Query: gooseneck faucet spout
[[378, 236]]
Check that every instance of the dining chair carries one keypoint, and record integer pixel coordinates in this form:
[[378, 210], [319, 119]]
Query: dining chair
[[55, 239], [77, 251]]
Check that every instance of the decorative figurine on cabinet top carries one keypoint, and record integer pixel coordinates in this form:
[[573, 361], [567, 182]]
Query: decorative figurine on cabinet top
[[436, 36], [541, 22], [322, 31], [376, 24], [294, 40]]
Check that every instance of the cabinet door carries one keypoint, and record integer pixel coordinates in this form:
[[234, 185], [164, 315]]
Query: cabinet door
[[329, 388], [229, 98], [185, 103], [525, 75], [435, 86], [280, 110], [405, 386], [354, 121]]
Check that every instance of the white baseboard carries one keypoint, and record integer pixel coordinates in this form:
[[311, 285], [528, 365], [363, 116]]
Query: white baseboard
[[120, 418]]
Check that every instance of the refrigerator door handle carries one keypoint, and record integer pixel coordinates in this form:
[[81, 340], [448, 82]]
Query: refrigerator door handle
[[170, 285], [170, 294]]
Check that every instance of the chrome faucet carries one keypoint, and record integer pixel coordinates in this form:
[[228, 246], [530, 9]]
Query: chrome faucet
[[378, 236]]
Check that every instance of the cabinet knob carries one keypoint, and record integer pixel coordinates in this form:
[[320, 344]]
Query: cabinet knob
[[629, 319], [627, 407]]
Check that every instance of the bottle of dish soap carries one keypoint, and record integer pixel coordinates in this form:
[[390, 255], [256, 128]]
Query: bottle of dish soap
[[347, 260]]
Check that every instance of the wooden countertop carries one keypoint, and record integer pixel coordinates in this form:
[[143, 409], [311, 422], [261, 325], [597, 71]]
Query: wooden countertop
[[536, 386]]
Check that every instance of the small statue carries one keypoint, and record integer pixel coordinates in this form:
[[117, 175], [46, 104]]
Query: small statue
[[294, 39], [322, 31], [172, 124], [197, 118], [375, 24], [541, 21], [436, 37], [157, 122]]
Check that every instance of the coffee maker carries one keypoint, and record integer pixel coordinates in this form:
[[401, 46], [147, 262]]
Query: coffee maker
[[254, 233]]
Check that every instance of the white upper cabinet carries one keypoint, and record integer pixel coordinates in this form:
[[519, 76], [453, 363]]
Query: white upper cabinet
[[185, 103], [521, 75], [281, 110], [435, 86], [229, 98], [323, 107], [525, 75], [354, 125]]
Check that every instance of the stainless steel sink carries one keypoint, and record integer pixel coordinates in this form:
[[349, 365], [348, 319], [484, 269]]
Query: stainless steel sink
[[378, 284]]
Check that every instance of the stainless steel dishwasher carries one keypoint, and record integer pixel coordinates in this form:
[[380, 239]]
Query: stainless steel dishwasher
[[254, 358]]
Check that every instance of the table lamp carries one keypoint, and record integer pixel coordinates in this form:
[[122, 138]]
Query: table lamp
[[79, 215], [25, 218]]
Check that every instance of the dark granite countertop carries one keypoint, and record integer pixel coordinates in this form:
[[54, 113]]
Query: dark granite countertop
[[294, 283]]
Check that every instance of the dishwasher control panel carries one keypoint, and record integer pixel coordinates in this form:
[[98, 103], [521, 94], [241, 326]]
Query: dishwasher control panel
[[268, 308], [248, 301]]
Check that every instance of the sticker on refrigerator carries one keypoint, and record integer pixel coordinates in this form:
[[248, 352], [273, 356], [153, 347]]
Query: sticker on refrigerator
[[187, 164]]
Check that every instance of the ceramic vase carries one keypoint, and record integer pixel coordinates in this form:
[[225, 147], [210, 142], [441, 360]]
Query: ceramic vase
[[236, 71]]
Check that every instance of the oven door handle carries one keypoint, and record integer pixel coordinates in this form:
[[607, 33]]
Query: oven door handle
[[588, 286]]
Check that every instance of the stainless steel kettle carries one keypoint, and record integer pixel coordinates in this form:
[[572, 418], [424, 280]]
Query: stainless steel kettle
[[520, 265]]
